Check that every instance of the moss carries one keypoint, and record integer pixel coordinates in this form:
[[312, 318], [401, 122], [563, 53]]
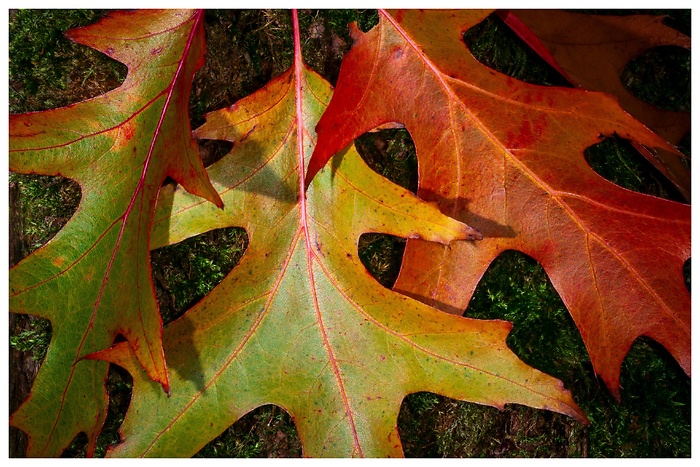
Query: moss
[[35, 339], [46, 69], [120, 385], [185, 272], [46, 203], [495, 45], [267, 431], [616, 160], [381, 255], [661, 77]]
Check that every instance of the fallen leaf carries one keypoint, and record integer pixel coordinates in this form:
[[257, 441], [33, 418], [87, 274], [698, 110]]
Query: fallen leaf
[[507, 158], [93, 280], [591, 51], [299, 322]]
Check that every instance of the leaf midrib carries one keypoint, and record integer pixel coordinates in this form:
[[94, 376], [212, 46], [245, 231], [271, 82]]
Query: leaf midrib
[[310, 254]]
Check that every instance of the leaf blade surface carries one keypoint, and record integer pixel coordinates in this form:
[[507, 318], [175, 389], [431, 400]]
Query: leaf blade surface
[[119, 147], [299, 322], [507, 158]]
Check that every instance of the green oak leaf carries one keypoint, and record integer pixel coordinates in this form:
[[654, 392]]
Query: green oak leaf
[[299, 322]]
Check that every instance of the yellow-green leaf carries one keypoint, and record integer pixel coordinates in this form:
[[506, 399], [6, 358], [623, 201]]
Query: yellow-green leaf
[[299, 322]]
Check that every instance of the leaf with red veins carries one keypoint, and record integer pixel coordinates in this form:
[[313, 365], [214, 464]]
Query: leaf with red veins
[[299, 322], [506, 157], [93, 279]]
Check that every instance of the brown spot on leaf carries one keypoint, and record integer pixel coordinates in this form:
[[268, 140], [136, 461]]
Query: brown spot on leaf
[[125, 133]]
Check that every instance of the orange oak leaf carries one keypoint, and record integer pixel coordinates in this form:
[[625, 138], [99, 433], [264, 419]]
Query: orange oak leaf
[[591, 51], [507, 158], [299, 322], [93, 280]]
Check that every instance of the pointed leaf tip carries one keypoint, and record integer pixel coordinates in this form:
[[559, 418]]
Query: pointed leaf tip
[[213, 197]]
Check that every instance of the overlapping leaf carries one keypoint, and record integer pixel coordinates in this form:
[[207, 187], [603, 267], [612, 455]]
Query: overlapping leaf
[[591, 51], [299, 322], [507, 158], [93, 281]]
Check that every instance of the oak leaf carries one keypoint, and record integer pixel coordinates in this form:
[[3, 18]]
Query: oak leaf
[[299, 322], [591, 51], [93, 280], [506, 157]]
